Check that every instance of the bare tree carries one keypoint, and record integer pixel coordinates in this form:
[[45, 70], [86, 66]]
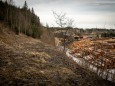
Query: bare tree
[[62, 21], [70, 22]]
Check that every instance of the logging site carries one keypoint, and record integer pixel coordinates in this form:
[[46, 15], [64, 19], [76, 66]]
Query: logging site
[[99, 56], [57, 43]]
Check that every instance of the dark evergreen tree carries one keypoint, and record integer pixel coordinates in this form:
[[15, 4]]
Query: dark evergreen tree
[[25, 6]]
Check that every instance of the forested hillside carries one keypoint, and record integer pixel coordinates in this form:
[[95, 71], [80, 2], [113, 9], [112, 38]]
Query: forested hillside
[[20, 20]]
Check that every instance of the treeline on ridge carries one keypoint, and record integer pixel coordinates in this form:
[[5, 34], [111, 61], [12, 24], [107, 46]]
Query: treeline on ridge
[[20, 20]]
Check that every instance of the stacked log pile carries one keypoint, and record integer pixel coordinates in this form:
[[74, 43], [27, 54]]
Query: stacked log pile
[[100, 54]]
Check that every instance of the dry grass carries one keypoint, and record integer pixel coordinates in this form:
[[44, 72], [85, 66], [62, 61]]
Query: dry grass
[[30, 62]]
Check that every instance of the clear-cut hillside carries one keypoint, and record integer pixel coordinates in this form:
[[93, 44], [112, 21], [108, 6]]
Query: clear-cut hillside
[[29, 62]]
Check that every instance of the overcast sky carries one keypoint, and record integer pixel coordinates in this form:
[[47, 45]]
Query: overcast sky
[[86, 13]]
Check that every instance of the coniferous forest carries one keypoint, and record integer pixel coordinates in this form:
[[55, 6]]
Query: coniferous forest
[[20, 20]]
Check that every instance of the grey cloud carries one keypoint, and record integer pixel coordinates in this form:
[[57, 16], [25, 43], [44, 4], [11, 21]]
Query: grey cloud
[[72, 7], [111, 2], [78, 2]]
